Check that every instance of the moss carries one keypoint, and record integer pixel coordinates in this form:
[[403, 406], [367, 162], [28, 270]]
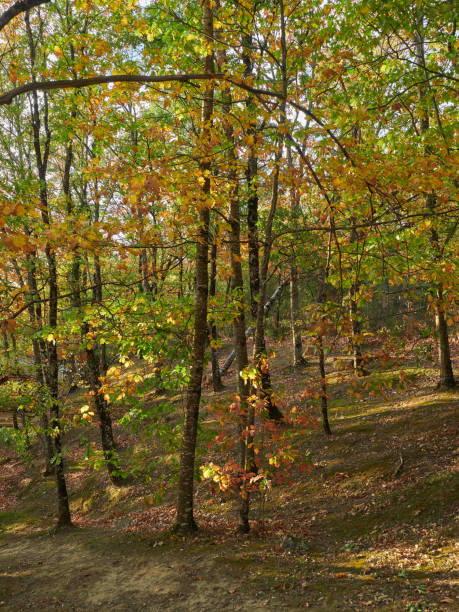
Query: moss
[[16, 521], [433, 499], [238, 564]]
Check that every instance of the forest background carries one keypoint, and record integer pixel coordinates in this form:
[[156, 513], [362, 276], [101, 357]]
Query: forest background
[[173, 173]]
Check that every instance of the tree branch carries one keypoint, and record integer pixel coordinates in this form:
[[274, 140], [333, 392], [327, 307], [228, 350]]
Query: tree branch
[[17, 8], [9, 96]]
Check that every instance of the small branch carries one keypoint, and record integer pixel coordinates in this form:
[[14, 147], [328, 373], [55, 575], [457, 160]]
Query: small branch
[[399, 467], [249, 331]]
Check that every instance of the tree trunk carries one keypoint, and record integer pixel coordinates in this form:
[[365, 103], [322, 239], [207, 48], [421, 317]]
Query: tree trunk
[[447, 380], [298, 359], [446, 369], [38, 352], [323, 385], [297, 345], [97, 367], [252, 231], [63, 509], [97, 297], [216, 378], [358, 359], [250, 330], [240, 334], [144, 282], [265, 388], [103, 414], [41, 158], [356, 325], [321, 299], [252, 189], [185, 522], [247, 416]]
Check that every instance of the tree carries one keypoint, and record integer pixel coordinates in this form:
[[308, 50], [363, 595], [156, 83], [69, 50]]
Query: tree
[[185, 521]]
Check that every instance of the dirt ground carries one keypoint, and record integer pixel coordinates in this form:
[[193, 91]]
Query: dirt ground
[[373, 527], [91, 569]]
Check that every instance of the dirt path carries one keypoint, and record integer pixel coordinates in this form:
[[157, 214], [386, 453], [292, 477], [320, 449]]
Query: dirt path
[[90, 569], [356, 533]]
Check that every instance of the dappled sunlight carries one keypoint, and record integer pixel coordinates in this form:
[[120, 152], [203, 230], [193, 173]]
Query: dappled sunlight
[[228, 306]]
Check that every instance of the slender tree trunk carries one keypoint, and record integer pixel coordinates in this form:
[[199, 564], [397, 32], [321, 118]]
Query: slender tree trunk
[[297, 345], [298, 359], [103, 414], [97, 294], [252, 188], [41, 156], [356, 325], [358, 359], [265, 392], [185, 522], [247, 416], [216, 378], [144, 282], [447, 379], [321, 299], [75, 268], [63, 509], [278, 309], [246, 411], [154, 283], [38, 352], [252, 231], [96, 366], [180, 291], [323, 385], [250, 330]]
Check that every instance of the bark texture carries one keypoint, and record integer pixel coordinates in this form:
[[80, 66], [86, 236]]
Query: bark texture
[[297, 345], [216, 377], [41, 158], [252, 189], [185, 522], [446, 378]]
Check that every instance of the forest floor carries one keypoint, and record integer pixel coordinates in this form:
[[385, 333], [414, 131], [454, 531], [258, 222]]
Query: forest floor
[[371, 527]]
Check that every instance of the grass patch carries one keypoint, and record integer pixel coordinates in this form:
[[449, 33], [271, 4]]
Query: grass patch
[[17, 521]]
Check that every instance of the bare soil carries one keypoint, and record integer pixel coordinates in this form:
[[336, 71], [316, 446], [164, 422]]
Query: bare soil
[[372, 527]]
